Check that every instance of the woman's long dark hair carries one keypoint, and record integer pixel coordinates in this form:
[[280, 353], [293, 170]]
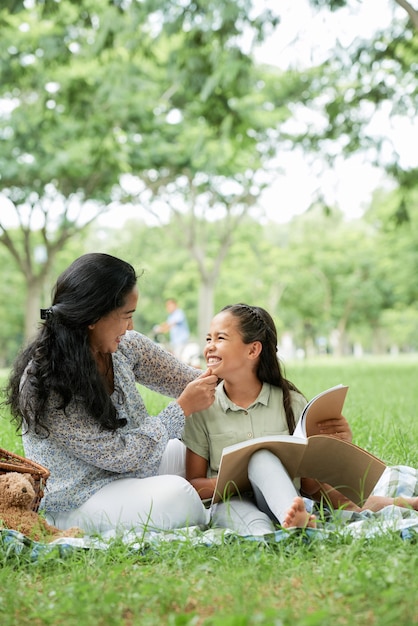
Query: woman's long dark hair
[[256, 324], [60, 358]]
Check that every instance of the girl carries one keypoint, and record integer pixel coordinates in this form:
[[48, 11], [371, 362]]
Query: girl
[[254, 399]]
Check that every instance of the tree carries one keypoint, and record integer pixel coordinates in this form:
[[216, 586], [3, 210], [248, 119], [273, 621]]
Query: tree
[[34, 248], [329, 279], [160, 92], [219, 126], [52, 160], [334, 5], [11, 310], [365, 81], [165, 269]]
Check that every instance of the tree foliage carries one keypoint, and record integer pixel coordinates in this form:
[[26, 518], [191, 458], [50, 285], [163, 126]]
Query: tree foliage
[[329, 283], [334, 5], [153, 102], [366, 81], [161, 104]]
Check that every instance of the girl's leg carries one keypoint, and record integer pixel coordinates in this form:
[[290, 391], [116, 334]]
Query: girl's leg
[[242, 516], [274, 491], [397, 486], [155, 503]]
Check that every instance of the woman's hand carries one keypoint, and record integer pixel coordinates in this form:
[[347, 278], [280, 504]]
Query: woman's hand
[[199, 394]]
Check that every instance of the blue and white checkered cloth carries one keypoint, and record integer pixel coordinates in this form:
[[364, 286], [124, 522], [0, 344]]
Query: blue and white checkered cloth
[[398, 480]]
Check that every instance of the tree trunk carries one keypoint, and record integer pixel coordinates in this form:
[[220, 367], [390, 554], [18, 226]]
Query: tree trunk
[[32, 305]]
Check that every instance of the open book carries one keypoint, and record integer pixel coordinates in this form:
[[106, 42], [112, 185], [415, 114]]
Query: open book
[[344, 466], [325, 405]]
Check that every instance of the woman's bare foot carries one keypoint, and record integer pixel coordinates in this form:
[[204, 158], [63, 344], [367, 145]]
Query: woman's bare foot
[[298, 517], [376, 503]]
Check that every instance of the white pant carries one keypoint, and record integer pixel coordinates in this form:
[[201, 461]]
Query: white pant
[[274, 493], [160, 502]]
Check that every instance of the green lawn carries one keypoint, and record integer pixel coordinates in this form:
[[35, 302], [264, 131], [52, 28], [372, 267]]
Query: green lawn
[[293, 583]]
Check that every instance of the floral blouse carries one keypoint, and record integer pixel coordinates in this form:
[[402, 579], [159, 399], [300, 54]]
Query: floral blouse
[[83, 457]]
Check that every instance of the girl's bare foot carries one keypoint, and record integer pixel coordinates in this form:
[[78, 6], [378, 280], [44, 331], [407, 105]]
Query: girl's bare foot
[[298, 517]]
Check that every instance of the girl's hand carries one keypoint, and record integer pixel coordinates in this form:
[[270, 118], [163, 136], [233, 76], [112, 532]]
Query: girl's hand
[[337, 427]]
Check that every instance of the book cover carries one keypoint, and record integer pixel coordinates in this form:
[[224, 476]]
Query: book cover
[[344, 466], [325, 405]]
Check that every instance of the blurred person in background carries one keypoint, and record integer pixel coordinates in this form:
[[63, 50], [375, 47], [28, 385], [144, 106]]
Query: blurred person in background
[[176, 326]]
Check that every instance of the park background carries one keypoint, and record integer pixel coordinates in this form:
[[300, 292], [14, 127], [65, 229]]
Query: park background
[[233, 154], [218, 137]]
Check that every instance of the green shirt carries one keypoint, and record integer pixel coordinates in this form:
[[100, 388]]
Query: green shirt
[[224, 423]]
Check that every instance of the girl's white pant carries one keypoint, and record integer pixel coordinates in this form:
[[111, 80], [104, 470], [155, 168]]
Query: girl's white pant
[[160, 502], [273, 491]]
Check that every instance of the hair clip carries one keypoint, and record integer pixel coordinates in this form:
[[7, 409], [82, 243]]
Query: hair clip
[[46, 313]]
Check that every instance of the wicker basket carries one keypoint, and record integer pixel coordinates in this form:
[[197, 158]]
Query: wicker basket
[[11, 462]]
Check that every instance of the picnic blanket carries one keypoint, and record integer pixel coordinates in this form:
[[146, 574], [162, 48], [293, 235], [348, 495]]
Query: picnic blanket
[[391, 519], [395, 481]]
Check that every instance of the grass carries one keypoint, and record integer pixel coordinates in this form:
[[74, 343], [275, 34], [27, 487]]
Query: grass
[[239, 583]]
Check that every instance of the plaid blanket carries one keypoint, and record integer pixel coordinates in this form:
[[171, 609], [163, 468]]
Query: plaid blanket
[[399, 480], [391, 519]]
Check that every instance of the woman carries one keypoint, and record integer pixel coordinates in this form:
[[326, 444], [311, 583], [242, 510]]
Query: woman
[[74, 392]]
